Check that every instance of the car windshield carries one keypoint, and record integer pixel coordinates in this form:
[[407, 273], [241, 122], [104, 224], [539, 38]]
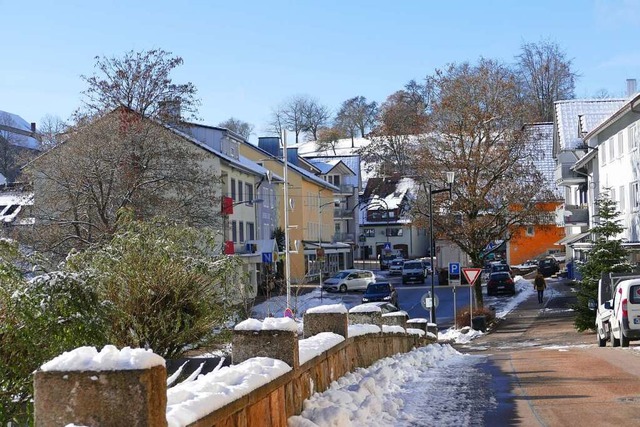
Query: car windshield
[[412, 265], [341, 274], [397, 263], [546, 262], [378, 288], [500, 276]]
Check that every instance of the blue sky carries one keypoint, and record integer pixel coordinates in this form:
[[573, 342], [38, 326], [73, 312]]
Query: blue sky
[[246, 57]]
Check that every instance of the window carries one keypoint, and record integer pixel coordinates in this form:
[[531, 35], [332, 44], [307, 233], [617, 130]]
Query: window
[[612, 149], [249, 192], [233, 189], [394, 232], [634, 196], [603, 154], [530, 231], [620, 144], [613, 197], [234, 231], [633, 136], [621, 192], [251, 231], [240, 197], [241, 231], [370, 232], [335, 180]]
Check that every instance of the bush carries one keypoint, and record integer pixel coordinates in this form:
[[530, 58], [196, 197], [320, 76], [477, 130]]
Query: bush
[[165, 287], [39, 320], [462, 319]]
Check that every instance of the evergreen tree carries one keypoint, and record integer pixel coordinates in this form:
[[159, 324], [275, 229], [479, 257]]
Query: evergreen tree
[[606, 255]]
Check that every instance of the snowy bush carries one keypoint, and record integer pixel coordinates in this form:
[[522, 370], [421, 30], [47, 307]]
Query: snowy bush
[[166, 287], [39, 319]]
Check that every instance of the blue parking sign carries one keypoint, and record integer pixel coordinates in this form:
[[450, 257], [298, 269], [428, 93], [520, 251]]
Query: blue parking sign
[[454, 268]]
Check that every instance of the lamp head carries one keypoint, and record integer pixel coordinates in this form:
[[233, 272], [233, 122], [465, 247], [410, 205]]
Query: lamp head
[[450, 177]]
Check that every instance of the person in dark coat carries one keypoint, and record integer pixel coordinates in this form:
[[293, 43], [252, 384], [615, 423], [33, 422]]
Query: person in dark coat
[[539, 284]]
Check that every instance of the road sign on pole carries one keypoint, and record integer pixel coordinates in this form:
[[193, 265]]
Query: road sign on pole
[[426, 301], [471, 274], [454, 268]]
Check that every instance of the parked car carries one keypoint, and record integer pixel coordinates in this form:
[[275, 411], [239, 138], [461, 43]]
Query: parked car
[[548, 266], [381, 291], [501, 282], [426, 264], [395, 268], [349, 280], [413, 271], [385, 307]]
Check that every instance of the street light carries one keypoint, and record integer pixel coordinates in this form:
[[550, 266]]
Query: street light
[[450, 178]]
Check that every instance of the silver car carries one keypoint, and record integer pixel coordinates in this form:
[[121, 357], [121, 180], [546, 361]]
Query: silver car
[[349, 280]]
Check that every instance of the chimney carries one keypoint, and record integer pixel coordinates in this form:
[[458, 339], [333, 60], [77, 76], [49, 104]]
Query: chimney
[[632, 87], [292, 155], [270, 144], [33, 127], [170, 111]]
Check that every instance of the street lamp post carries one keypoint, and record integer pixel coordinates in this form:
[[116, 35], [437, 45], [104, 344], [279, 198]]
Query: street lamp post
[[450, 178]]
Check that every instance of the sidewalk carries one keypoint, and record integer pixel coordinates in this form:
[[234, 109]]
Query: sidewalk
[[558, 376]]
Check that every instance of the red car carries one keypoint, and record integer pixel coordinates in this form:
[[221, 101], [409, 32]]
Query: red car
[[500, 282]]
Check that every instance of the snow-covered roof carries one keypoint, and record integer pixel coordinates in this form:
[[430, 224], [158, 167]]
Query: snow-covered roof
[[343, 147], [393, 200], [542, 154], [570, 113], [19, 139], [327, 163]]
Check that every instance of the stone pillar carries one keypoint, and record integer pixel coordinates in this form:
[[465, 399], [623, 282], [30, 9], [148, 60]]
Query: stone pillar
[[395, 319], [314, 323], [366, 317], [277, 344], [136, 398], [418, 324], [433, 328]]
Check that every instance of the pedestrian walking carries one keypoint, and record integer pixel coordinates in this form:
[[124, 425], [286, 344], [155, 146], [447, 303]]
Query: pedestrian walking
[[539, 284]]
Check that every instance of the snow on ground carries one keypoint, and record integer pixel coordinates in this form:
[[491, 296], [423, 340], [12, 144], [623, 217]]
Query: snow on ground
[[386, 393]]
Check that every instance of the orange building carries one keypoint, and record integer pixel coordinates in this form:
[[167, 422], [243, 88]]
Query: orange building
[[536, 240]]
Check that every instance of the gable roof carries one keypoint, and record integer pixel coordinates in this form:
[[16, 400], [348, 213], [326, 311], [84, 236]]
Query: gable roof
[[392, 191], [305, 174], [24, 135], [572, 114], [541, 135]]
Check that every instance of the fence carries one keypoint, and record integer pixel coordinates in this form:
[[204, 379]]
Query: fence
[[138, 397]]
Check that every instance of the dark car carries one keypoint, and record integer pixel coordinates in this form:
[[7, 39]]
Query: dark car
[[548, 266], [501, 282], [381, 291]]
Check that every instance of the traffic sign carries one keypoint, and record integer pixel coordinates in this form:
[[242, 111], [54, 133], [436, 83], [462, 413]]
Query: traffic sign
[[426, 301], [471, 274], [288, 313], [454, 268], [387, 246]]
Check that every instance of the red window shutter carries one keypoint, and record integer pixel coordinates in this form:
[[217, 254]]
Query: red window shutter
[[227, 205], [229, 248]]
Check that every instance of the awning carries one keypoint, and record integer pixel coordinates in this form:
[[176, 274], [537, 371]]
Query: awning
[[572, 239]]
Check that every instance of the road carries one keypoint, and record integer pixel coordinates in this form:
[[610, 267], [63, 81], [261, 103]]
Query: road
[[409, 297]]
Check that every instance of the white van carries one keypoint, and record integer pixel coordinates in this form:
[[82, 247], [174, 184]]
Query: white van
[[349, 280], [625, 316]]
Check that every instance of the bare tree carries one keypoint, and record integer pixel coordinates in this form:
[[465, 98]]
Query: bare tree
[[238, 126], [117, 160], [52, 131], [475, 116], [328, 139], [140, 81], [546, 77], [299, 114], [356, 114], [316, 116], [121, 153], [400, 120]]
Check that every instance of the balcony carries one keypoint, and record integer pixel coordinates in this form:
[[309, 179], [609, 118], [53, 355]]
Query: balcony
[[343, 213], [346, 189], [576, 215], [565, 176], [344, 237]]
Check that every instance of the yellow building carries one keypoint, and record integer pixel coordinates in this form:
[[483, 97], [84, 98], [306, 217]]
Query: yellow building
[[311, 208]]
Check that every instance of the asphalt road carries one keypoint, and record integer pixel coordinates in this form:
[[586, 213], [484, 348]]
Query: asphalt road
[[556, 375]]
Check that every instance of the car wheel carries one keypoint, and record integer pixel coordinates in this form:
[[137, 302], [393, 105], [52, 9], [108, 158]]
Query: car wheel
[[602, 342], [343, 288], [615, 342], [624, 341]]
